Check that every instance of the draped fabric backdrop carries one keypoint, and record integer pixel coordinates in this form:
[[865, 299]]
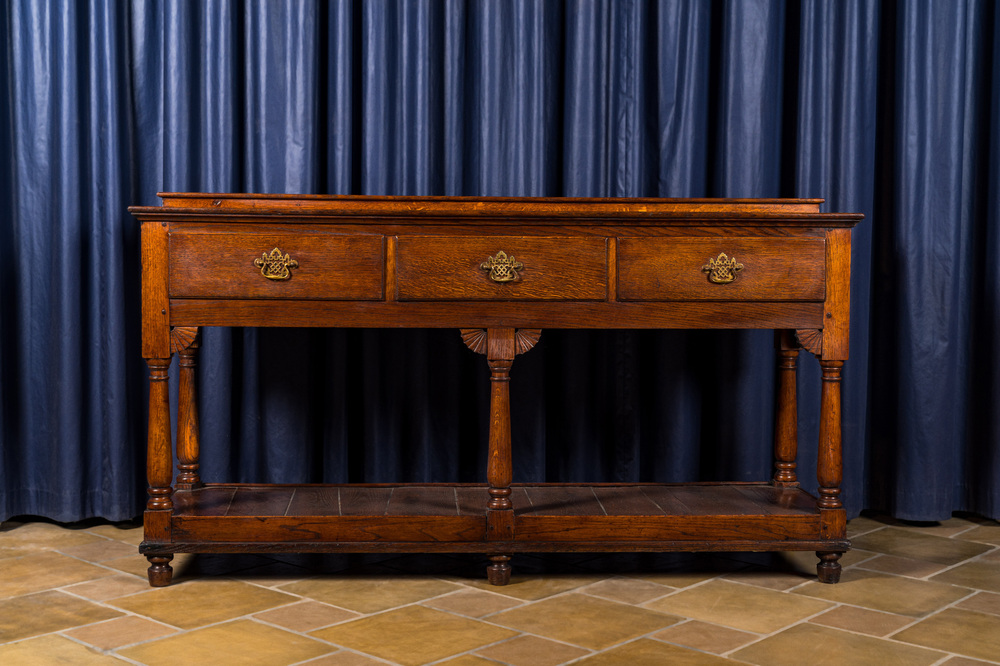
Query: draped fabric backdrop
[[891, 109]]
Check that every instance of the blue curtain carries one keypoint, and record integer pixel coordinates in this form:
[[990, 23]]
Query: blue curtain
[[891, 109]]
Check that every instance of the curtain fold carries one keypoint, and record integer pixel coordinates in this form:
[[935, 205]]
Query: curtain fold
[[884, 108]]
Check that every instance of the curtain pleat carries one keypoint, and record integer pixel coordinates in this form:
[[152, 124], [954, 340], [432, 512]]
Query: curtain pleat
[[884, 108]]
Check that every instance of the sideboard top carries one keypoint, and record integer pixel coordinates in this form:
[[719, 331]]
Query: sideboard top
[[337, 206]]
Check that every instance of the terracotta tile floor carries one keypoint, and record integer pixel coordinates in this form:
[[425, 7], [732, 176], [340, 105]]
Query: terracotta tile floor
[[910, 594]]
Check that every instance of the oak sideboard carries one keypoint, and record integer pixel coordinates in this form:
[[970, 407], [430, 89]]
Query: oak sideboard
[[499, 271]]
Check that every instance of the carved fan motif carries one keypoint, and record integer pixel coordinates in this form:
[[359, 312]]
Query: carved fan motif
[[525, 339], [474, 339], [181, 337], [811, 339]]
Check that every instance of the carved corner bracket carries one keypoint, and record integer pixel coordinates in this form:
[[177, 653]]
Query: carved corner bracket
[[524, 339], [811, 340], [182, 337]]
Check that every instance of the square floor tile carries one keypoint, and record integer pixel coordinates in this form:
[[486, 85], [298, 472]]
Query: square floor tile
[[627, 590], [413, 635], [120, 631], [344, 658], [965, 661], [16, 551], [989, 534], [241, 642], [739, 606], [984, 602], [902, 566], [862, 620], [946, 528], [53, 649], [45, 612], [136, 565], [706, 637], [892, 594], [532, 651], [586, 621], [468, 660], [919, 546], [771, 579], [863, 525], [43, 536], [532, 588], [99, 551], [823, 646], [980, 575], [109, 587], [646, 652], [43, 571], [124, 532], [370, 594], [957, 631], [198, 603], [473, 603], [306, 616]]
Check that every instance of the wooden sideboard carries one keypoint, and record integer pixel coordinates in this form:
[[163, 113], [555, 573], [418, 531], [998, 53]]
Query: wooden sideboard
[[499, 270]]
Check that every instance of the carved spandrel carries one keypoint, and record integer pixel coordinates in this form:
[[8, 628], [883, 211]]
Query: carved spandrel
[[811, 340], [182, 337], [475, 339], [524, 339]]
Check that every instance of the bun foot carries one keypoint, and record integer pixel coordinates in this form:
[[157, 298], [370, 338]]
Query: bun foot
[[498, 572], [828, 569], [160, 572]]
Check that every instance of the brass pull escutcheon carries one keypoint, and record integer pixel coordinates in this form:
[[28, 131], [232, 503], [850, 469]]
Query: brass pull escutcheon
[[722, 269], [275, 265], [502, 268]]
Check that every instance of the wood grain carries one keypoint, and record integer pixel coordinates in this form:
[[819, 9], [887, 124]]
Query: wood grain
[[670, 269], [417, 262], [221, 265], [485, 314], [450, 268]]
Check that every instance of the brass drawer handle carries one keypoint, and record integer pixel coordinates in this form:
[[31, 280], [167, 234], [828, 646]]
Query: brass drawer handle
[[502, 268], [275, 266], [722, 269]]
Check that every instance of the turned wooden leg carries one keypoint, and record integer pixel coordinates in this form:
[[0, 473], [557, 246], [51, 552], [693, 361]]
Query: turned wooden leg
[[159, 468], [828, 569], [500, 345], [786, 431], [829, 470], [187, 420], [159, 458], [160, 572], [498, 572], [500, 468]]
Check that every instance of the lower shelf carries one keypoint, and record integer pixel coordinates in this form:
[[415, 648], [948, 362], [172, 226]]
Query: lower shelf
[[453, 518]]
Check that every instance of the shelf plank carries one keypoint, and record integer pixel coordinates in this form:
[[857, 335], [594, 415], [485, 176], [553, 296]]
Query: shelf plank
[[251, 501], [472, 500], [627, 501], [560, 501], [315, 501], [363, 501], [210, 501], [422, 501]]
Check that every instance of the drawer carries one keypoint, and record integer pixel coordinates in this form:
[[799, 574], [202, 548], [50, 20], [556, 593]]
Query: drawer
[[681, 269], [233, 265], [443, 268]]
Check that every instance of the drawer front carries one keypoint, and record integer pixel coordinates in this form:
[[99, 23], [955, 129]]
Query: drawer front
[[503, 268], [290, 265], [721, 269]]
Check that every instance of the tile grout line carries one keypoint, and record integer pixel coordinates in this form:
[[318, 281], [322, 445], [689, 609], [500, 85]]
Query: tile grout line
[[520, 603]]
